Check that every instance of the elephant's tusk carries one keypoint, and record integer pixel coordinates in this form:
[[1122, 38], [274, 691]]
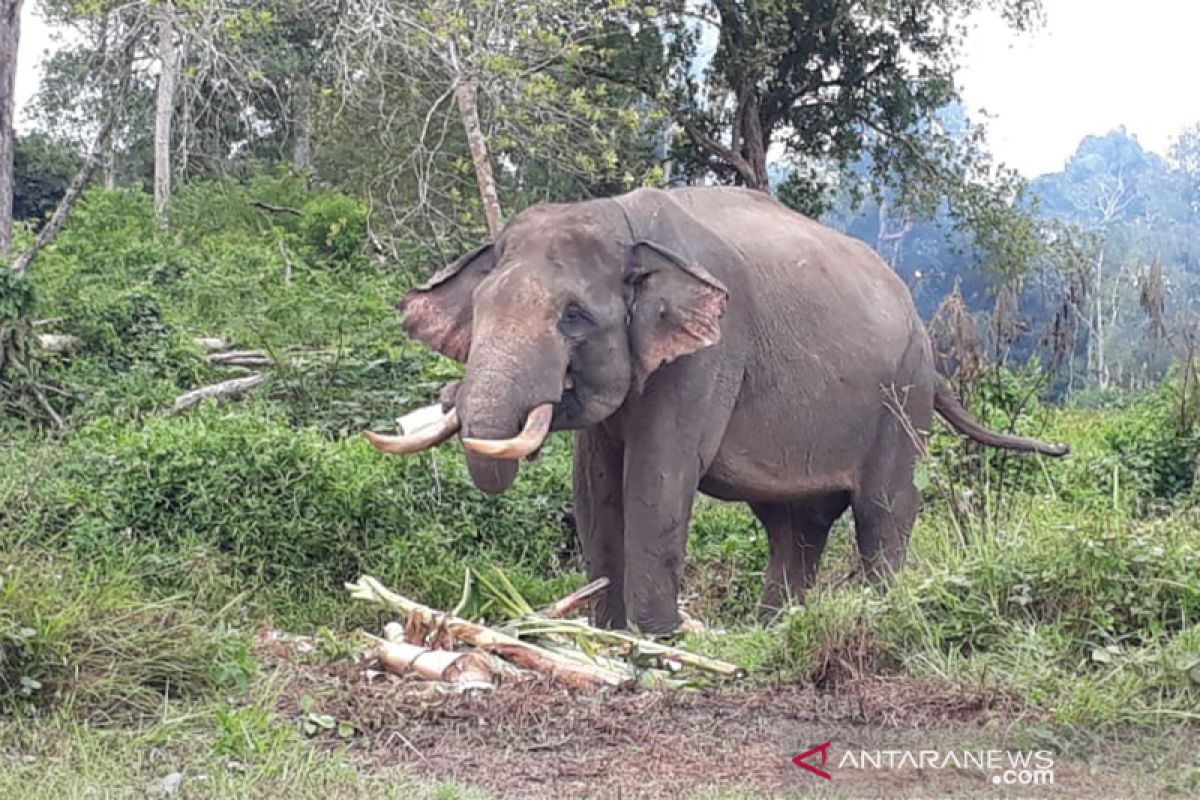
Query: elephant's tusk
[[537, 425], [423, 438]]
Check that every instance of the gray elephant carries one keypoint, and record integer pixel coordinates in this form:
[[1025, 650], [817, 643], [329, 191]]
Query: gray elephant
[[696, 339]]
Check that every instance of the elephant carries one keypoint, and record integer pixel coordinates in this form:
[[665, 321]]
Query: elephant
[[695, 339]]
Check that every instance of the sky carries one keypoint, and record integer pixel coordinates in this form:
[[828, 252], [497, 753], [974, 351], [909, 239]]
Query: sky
[[1093, 66]]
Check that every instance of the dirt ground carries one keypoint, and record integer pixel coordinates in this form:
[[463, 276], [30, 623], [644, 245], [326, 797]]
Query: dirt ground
[[532, 740]]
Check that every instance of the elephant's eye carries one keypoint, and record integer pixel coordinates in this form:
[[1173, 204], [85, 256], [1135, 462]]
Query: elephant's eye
[[575, 321]]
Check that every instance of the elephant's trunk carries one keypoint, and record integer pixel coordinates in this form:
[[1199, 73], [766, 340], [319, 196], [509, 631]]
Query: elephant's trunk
[[506, 404]]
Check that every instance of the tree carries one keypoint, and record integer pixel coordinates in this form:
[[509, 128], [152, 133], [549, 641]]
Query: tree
[[1118, 196], [10, 38], [42, 171], [1185, 158], [71, 103], [164, 108], [482, 90], [235, 65], [821, 81], [790, 94]]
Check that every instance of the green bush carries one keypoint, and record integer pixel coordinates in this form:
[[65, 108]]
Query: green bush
[[290, 285], [1155, 442], [201, 210], [334, 227], [88, 639], [1003, 400], [1100, 584], [228, 501]]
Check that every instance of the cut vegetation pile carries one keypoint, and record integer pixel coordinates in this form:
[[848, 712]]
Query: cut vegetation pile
[[433, 645]]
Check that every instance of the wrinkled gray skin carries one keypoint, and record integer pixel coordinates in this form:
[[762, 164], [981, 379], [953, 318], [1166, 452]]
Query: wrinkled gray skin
[[716, 341]]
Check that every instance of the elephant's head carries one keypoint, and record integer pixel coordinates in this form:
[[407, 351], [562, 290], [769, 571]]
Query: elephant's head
[[558, 321]]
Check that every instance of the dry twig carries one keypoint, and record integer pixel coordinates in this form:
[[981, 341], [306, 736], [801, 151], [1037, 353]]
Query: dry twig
[[219, 391]]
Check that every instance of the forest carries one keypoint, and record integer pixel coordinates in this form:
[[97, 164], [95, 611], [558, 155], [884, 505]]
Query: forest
[[214, 208]]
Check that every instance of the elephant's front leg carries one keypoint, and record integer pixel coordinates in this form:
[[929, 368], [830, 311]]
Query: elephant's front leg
[[658, 506], [599, 518]]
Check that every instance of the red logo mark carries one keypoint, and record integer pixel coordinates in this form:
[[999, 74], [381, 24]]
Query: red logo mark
[[823, 749]]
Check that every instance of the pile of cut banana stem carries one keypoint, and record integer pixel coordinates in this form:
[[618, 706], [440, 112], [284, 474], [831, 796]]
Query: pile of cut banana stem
[[406, 648]]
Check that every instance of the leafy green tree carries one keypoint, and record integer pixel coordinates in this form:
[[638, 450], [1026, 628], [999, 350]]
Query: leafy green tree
[[821, 81], [789, 95], [42, 171], [479, 98]]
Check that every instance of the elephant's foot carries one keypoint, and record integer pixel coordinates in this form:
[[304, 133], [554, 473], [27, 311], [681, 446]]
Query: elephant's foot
[[690, 624]]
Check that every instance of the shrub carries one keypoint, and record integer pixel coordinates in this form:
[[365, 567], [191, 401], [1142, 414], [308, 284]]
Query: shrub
[[224, 501], [1100, 583], [90, 640], [1002, 400], [334, 228], [1155, 443]]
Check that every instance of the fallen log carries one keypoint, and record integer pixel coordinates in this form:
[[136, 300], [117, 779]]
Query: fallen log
[[572, 673], [224, 390], [295, 212], [211, 344], [241, 358], [403, 658], [60, 343]]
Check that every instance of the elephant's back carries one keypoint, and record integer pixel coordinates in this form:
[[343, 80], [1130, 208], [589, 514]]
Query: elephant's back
[[808, 281], [832, 328]]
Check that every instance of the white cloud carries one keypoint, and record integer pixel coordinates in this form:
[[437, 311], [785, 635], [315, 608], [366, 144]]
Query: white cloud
[[1096, 64]]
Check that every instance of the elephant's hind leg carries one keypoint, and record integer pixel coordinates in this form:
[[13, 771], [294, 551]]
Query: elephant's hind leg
[[796, 536], [884, 513], [885, 501]]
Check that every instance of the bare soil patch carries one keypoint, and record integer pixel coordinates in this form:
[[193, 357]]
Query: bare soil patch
[[534, 740]]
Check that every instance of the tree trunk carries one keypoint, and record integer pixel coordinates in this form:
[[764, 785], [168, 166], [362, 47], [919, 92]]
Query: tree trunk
[[50, 230], [753, 144], [889, 241], [1101, 365], [302, 126], [10, 37], [746, 159], [465, 95], [164, 109], [110, 164]]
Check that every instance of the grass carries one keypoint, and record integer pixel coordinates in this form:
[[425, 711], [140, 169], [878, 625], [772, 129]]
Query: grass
[[129, 593], [135, 562], [213, 752]]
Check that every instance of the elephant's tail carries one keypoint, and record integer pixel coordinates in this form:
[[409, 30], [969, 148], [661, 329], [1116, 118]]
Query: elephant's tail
[[946, 404]]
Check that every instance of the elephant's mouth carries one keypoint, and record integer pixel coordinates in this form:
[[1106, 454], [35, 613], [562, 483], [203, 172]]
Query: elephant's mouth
[[529, 440], [569, 406], [491, 461]]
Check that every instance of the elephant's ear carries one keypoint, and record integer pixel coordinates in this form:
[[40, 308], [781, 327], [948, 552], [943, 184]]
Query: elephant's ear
[[675, 307], [439, 311]]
